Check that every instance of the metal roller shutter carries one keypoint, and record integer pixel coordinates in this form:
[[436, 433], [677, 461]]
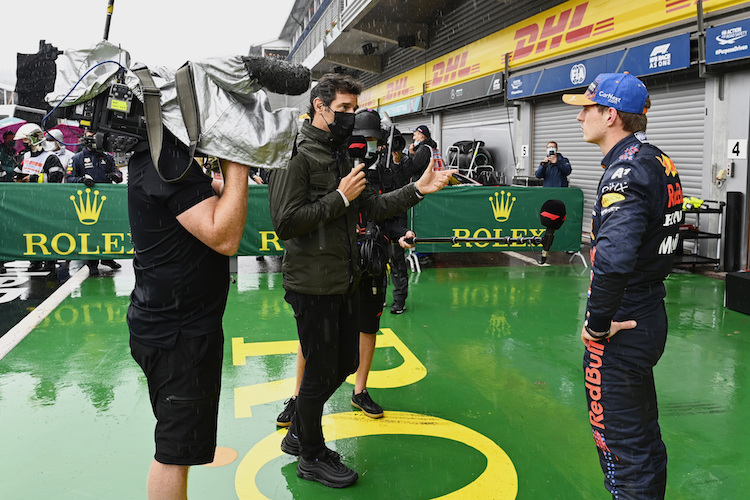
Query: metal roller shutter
[[477, 116], [676, 124], [492, 124], [405, 124]]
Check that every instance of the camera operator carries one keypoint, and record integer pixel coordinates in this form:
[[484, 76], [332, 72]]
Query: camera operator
[[183, 234], [555, 168], [91, 166]]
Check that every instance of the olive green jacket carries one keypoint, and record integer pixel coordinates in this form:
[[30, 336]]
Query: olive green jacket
[[309, 215]]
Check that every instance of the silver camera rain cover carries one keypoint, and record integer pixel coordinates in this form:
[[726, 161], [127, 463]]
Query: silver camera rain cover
[[236, 121]]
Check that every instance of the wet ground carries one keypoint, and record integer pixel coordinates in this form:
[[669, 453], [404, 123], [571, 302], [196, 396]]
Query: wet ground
[[480, 378]]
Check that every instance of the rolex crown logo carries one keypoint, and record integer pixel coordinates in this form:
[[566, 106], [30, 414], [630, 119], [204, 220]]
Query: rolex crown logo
[[88, 211], [502, 204]]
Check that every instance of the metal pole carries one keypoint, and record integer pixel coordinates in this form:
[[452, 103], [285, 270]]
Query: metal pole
[[528, 240], [110, 8]]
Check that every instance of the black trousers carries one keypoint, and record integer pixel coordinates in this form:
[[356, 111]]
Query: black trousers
[[623, 413], [328, 329], [399, 277]]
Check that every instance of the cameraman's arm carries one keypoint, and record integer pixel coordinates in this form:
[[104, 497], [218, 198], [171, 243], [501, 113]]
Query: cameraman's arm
[[219, 222]]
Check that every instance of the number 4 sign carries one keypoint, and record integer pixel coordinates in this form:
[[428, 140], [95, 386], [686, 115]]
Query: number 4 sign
[[737, 149]]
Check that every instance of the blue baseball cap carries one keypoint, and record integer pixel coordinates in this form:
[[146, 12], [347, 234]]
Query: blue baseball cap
[[621, 91]]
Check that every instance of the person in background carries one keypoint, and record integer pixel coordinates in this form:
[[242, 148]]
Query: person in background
[[59, 148], [7, 166], [91, 166], [420, 151], [634, 233], [555, 168], [41, 165], [7, 157], [390, 174]]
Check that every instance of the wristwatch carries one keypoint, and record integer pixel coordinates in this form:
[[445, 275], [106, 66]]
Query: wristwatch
[[596, 335]]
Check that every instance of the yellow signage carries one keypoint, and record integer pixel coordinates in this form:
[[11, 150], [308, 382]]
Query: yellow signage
[[569, 27]]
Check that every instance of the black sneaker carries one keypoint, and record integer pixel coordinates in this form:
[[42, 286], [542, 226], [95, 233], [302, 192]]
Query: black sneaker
[[364, 402], [285, 417], [397, 308], [290, 445], [35, 266], [111, 264], [327, 470]]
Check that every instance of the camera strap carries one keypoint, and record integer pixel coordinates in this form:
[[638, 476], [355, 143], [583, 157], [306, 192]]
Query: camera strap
[[188, 102]]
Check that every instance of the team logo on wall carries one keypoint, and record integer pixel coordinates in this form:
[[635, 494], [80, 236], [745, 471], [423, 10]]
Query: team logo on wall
[[578, 74], [88, 211], [502, 204]]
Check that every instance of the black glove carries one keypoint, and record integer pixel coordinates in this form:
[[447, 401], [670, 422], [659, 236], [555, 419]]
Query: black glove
[[88, 180], [113, 178], [34, 178]]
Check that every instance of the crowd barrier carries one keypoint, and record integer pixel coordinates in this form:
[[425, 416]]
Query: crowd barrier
[[71, 221]]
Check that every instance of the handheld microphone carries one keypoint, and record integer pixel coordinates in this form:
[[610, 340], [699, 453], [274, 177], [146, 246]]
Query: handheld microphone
[[356, 146], [278, 76], [552, 216]]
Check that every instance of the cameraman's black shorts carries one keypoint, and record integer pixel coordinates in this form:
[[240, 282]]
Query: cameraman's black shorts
[[371, 302], [184, 385]]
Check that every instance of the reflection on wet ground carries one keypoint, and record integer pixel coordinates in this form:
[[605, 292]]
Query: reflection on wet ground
[[481, 380]]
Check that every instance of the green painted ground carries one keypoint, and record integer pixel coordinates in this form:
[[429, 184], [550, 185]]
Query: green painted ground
[[502, 355]]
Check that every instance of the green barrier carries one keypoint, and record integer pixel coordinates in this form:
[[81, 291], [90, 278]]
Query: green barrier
[[71, 221]]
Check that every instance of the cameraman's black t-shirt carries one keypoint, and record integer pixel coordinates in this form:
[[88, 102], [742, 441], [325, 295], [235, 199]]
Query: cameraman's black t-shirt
[[181, 285]]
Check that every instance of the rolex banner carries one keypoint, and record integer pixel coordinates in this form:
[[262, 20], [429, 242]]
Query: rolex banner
[[495, 212], [71, 221]]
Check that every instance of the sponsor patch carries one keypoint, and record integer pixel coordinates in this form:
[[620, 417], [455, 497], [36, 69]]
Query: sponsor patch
[[611, 198], [668, 164]]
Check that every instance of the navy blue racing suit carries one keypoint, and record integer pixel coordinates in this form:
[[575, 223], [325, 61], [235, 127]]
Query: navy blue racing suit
[[99, 165], [634, 233]]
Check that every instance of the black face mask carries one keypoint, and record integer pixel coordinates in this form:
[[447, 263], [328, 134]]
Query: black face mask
[[342, 126]]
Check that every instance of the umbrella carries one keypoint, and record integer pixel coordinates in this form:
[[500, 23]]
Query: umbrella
[[71, 136]]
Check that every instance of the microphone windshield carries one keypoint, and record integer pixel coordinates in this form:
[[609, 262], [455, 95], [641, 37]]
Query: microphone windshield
[[278, 76], [357, 146], [553, 214]]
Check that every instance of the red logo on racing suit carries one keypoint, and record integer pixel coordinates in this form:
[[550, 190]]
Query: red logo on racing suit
[[594, 384], [566, 28]]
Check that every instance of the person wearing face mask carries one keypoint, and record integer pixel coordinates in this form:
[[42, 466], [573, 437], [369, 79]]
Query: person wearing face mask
[[7, 165], [90, 166], [315, 203], [7, 157], [58, 147], [420, 151]]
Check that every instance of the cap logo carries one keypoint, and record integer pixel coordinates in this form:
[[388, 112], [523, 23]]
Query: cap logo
[[610, 97]]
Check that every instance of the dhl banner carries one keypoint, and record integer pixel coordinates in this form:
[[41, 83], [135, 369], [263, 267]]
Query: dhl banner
[[568, 27], [71, 221]]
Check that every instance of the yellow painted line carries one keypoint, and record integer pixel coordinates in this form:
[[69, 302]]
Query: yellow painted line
[[409, 372], [499, 480]]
